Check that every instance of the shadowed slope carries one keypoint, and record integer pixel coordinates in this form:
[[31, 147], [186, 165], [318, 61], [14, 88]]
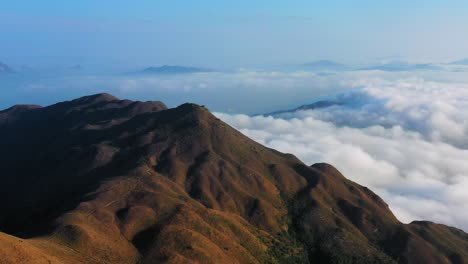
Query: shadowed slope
[[130, 182], [13, 113]]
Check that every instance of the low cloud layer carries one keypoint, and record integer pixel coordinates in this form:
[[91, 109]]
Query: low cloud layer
[[405, 139]]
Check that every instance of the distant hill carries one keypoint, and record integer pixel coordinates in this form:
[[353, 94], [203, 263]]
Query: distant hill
[[76, 67], [315, 105], [323, 65], [103, 180], [460, 62], [5, 68], [167, 69], [401, 66]]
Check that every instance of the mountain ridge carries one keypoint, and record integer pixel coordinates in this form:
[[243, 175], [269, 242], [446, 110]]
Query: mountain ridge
[[134, 182]]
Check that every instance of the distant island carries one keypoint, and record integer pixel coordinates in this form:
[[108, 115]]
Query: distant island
[[460, 62], [76, 67], [315, 105], [168, 69], [5, 68], [322, 65], [397, 66]]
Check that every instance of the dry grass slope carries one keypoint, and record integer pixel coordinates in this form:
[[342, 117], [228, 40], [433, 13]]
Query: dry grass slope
[[103, 180]]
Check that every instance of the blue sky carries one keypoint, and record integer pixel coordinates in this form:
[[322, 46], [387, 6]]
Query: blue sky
[[230, 33]]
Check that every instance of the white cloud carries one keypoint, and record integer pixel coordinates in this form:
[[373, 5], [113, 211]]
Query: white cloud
[[404, 139]]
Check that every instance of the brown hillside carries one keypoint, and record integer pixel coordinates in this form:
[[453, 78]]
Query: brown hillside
[[102, 180]]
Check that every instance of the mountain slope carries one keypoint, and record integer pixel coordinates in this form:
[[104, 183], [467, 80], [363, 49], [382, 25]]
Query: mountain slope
[[102, 180]]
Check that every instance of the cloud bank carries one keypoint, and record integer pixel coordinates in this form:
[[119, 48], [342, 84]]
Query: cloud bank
[[406, 139]]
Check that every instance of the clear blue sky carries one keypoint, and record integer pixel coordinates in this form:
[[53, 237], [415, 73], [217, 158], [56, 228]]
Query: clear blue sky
[[231, 33]]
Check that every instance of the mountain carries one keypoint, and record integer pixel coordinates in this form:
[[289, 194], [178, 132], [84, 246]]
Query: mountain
[[103, 180], [76, 67], [166, 69], [5, 68], [401, 66], [324, 65], [460, 62], [11, 114], [315, 105]]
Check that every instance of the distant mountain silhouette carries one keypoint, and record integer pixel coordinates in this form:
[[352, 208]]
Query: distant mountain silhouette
[[76, 67], [401, 66], [460, 62], [5, 68], [324, 65], [315, 105], [103, 180], [166, 69]]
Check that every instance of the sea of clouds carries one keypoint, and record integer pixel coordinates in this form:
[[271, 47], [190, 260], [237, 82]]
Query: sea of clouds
[[405, 138], [402, 134]]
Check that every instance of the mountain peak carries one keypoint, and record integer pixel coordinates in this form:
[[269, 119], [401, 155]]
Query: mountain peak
[[96, 98], [191, 107]]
